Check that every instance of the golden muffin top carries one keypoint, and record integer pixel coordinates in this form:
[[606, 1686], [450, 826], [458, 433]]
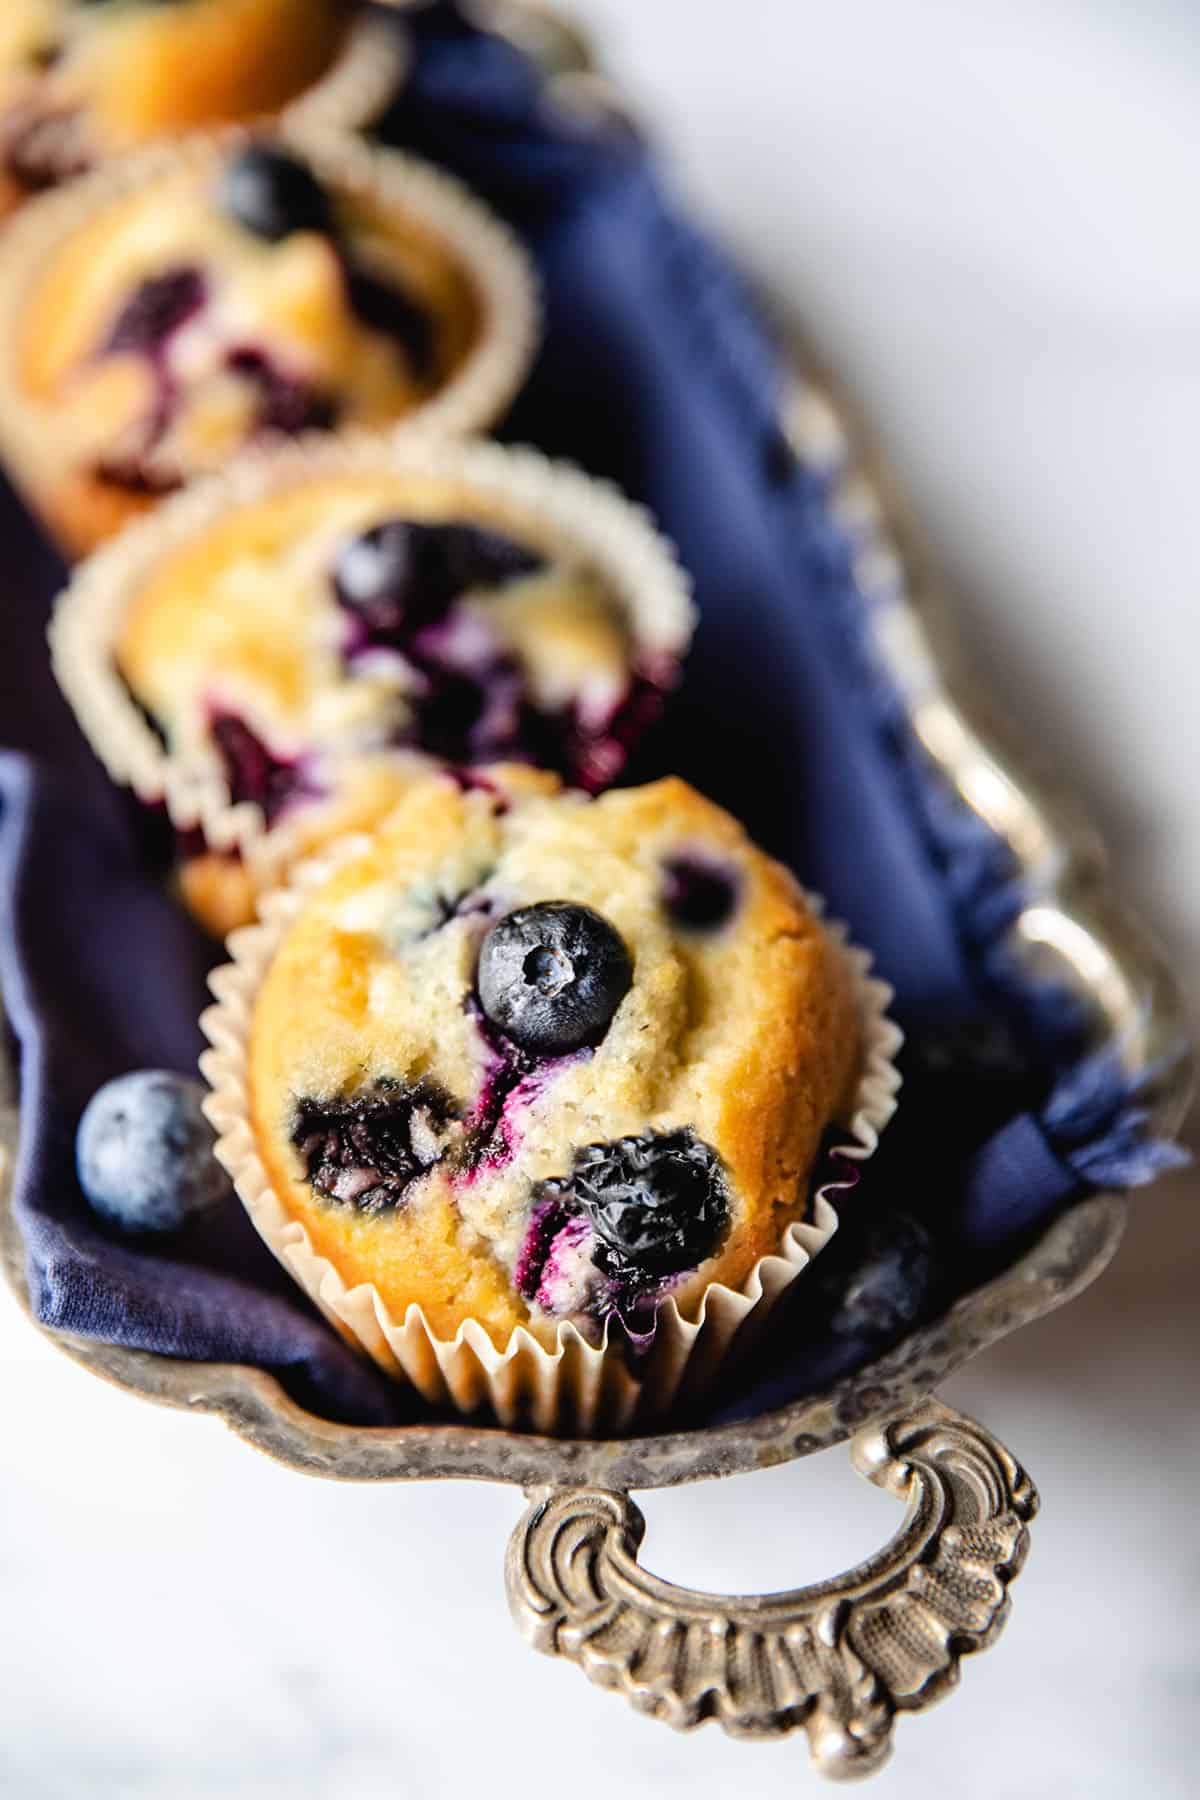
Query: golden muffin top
[[525, 1056], [83, 79], [236, 296]]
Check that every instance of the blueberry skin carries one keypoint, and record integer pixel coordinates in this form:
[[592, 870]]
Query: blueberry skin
[[551, 976], [144, 1153], [658, 1203], [273, 193]]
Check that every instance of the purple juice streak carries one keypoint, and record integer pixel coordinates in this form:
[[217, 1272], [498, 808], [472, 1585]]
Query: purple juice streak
[[470, 780], [545, 1222], [490, 1141], [254, 772], [513, 1081], [474, 905], [155, 311], [570, 1239], [554, 1232], [145, 327]]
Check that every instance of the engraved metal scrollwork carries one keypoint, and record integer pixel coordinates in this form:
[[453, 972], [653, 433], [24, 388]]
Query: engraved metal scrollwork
[[840, 1658]]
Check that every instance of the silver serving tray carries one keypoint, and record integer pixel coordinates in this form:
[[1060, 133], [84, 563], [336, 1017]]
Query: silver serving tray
[[844, 1657]]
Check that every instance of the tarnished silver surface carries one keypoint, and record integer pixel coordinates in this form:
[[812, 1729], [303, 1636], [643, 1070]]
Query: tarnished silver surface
[[845, 1657], [840, 1658]]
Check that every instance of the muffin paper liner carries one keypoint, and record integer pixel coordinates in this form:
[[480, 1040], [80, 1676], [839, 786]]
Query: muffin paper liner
[[576, 1387], [555, 500], [358, 85], [471, 401]]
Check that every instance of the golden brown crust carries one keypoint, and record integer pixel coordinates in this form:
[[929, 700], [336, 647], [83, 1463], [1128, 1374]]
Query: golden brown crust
[[131, 74], [217, 890], [748, 1035], [81, 512]]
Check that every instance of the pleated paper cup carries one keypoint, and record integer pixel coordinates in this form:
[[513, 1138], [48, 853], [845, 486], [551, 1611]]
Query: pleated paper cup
[[58, 477], [518, 489], [358, 86], [571, 1386]]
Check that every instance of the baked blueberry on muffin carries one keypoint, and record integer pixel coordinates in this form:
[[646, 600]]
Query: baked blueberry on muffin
[[497, 1069], [81, 80], [193, 300], [277, 656]]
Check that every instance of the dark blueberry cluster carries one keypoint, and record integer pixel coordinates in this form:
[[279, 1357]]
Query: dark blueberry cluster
[[552, 975], [402, 576], [591, 756], [698, 893], [472, 713], [398, 582], [658, 1205], [365, 1151], [880, 1283], [252, 771]]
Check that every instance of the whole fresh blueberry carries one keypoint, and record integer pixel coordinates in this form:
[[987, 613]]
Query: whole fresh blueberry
[[551, 976], [144, 1152], [890, 1281], [273, 193], [658, 1203]]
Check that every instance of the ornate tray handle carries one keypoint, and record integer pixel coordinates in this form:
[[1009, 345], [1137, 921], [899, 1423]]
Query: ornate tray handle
[[841, 1658]]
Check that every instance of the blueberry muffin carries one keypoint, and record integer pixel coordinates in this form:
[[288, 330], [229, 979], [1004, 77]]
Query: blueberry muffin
[[195, 299], [275, 656], [82, 80], [529, 1059]]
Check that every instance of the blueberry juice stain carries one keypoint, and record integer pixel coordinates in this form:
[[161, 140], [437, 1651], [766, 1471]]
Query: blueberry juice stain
[[513, 1081], [253, 772]]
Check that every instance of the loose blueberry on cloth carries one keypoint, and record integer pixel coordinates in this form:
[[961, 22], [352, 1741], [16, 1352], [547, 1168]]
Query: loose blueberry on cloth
[[657, 372], [144, 1153]]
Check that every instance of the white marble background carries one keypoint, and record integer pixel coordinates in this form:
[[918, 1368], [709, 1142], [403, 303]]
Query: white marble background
[[989, 211]]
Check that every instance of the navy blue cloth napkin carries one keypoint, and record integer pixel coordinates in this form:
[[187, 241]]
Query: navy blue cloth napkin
[[658, 372]]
